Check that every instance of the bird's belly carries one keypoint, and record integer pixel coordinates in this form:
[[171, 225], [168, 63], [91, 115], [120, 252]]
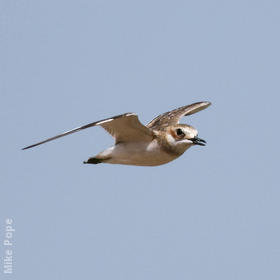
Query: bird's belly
[[141, 154]]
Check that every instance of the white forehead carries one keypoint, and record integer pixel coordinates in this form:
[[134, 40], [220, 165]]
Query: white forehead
[[189, 130]]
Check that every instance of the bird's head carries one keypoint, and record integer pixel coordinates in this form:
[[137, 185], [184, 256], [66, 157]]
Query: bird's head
[[183, 136]]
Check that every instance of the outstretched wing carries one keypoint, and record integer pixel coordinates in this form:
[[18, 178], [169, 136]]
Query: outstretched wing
[[124, 128], [173, 117]]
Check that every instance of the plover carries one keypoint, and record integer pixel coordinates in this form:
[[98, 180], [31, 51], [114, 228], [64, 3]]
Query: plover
[[160, 141]]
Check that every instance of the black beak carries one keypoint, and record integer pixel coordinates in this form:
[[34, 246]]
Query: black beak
[[198, 141]]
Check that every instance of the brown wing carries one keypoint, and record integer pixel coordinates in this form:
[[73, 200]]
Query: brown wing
[[124, 128], [173, 117]]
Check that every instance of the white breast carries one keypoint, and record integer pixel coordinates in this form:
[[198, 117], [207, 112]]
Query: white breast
[[143, 154]]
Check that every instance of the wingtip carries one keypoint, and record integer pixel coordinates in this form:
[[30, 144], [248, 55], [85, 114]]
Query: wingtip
[[25, 148], [207, 103], [28, 147]]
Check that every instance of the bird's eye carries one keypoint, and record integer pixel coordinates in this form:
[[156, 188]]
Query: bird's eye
[[180, 132]]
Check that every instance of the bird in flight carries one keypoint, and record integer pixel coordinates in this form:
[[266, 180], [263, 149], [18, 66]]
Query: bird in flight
[[160, 141]]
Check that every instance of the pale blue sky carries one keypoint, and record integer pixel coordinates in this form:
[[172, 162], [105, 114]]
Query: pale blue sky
[[211, 214]]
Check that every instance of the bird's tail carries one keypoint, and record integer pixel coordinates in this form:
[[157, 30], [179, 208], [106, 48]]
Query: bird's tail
[[93, 160]]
